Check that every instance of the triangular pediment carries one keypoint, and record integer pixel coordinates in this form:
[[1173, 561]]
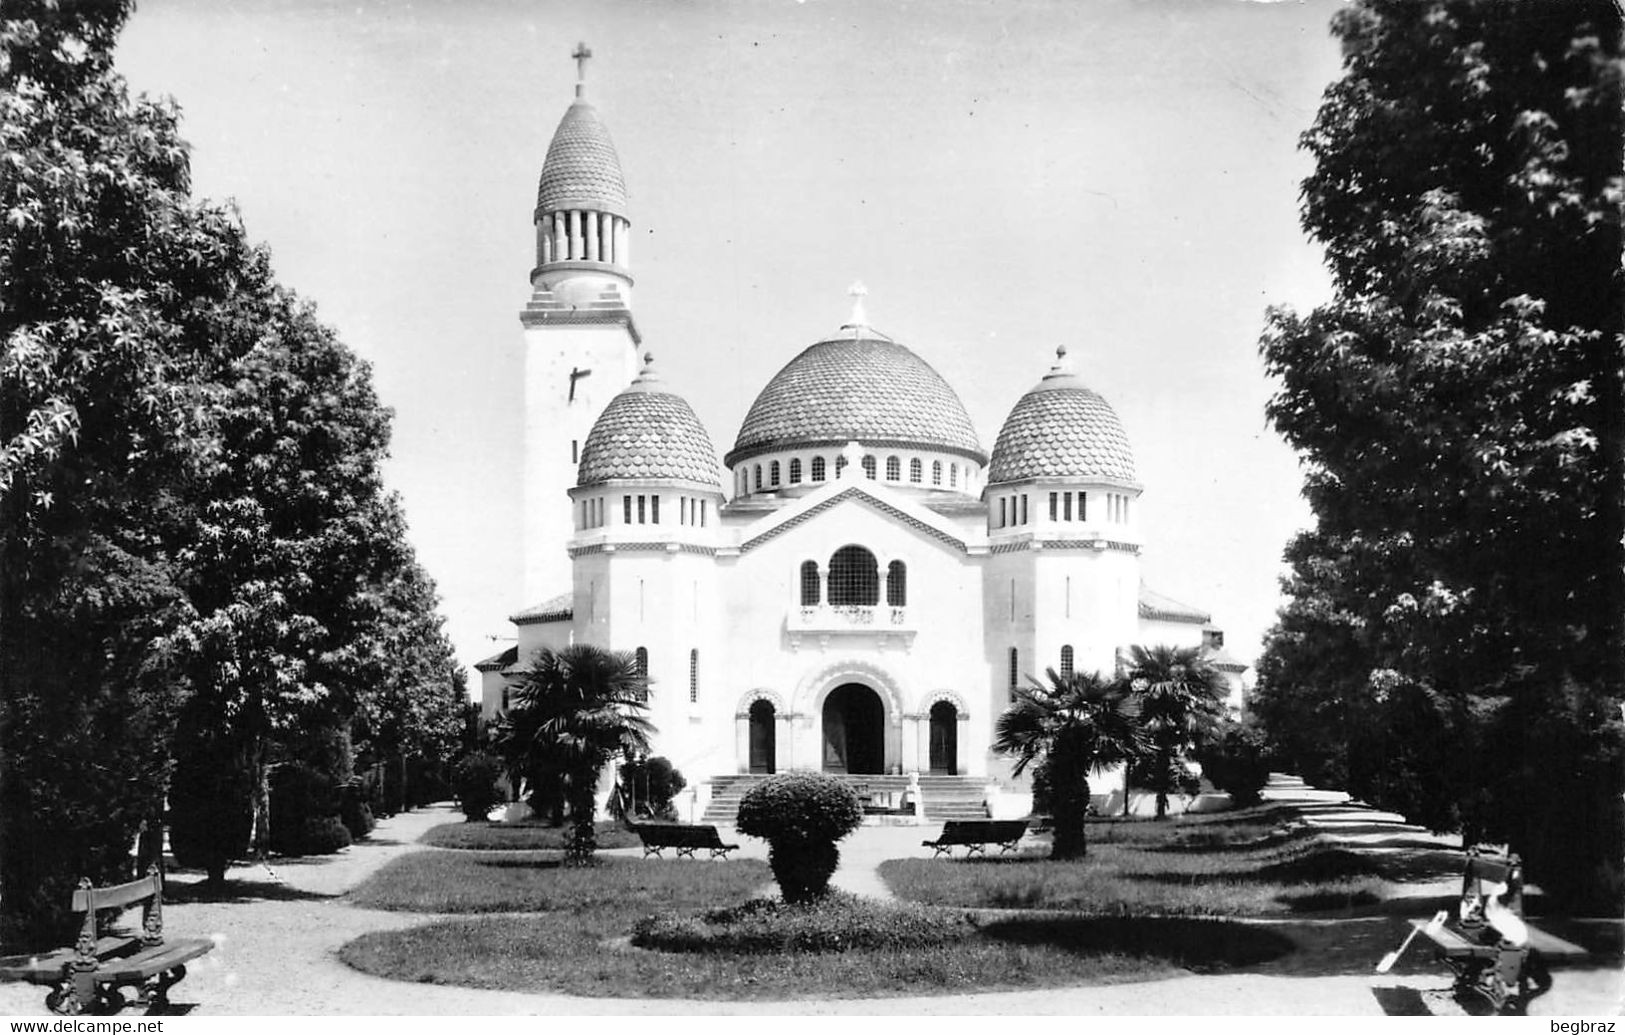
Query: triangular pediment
[[892, 506]]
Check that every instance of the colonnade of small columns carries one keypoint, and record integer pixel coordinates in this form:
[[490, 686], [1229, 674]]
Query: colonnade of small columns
[[583, 236]]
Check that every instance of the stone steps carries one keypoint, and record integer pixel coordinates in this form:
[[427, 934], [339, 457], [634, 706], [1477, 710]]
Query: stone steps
[[942, 797]]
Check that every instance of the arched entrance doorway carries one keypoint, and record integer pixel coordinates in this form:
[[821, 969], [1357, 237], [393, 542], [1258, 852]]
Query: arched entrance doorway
[[944, 739], [854, 730], [763, 739]]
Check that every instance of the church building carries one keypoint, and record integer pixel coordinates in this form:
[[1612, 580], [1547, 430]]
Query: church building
[[857, 585]]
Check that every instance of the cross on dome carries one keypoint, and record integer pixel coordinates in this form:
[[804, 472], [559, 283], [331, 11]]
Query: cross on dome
[[581, 54], [858, 291]]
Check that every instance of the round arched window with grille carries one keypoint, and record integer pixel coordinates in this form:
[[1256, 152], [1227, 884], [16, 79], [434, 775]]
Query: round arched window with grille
[[854, 577]]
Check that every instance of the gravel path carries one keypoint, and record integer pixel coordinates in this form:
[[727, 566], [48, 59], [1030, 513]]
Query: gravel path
[[278, 940]]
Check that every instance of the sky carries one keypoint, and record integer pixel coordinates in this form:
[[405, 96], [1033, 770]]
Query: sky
[[1118, 176]]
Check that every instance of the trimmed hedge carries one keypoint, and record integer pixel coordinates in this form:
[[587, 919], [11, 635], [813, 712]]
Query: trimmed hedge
[[801, 816]]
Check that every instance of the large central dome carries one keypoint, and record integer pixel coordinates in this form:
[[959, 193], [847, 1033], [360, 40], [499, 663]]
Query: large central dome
[[858, 385]]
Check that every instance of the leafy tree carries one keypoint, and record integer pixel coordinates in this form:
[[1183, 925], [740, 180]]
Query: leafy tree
[[1181, 697], [475, 782], [646, 788], [192, 528], [1074, 725], [104, 261], [1460, 413], [574, 710]]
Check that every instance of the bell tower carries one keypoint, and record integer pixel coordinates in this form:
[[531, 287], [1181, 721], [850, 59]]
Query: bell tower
[[581, 343]]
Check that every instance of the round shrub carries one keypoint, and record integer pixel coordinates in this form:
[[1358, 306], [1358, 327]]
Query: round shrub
[[301, 794], [1235, 762], [801, 816], [646, 789], [476, 785], [317, 835], [837, 922]]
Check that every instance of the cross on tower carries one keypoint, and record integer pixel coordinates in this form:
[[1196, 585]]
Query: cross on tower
[[581, 54]]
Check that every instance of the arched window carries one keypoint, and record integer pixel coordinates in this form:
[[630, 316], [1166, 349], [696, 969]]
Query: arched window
[[896, 584], [1083, 506], [953, 475], [809, 583], [642, 657], [840, 465], [936, 472], [854, 577], [795, 471], [1015, 667], [757, 475], [773, 474], [1066, 662], [744, 481], [869, 467], [894, 469], [817, 468], [915, 469], [693, 675]]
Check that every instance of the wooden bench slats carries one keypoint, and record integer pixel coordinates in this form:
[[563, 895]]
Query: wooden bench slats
[[118, 896], [155, 960], [975, 834], [1444, 937], [42, 968], [88, 974], [685, 838]]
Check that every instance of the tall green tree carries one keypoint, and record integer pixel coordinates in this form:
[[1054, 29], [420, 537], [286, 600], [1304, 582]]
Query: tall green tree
[[1458, 407], [105, 263], [1181, 698], [193, 532], [573, 712], [1072, 726]]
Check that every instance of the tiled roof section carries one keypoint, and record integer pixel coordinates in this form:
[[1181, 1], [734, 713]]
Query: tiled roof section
[[862, 386], [1223, 659], [1061, 429], [496, 662], [1156, 607], [648, 432], [582, 170], [553, 609]]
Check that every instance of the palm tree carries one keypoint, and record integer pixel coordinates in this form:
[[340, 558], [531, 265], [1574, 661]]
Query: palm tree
[[1181, 697], [572, 712], [1075, 724]]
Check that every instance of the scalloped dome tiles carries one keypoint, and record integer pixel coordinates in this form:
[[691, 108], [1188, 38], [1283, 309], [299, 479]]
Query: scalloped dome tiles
[[648, 432], [862, 386], [1061, 429], [582, 170]]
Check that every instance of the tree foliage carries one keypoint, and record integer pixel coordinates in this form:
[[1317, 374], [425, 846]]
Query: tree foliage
[[1071, 726], [573, 711], [193, 530], [1452, 643], [1181, 697]]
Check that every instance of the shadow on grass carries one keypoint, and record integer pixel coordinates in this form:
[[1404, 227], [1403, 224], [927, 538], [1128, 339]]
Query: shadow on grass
[[1202, 946], [178, 891]]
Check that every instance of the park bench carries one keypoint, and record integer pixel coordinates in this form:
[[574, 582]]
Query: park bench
[[686, 838], [88, 976], [1493, 951], [976, 834]]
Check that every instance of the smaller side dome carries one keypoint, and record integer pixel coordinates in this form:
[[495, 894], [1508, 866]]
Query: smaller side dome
[[648, 431], [1061, 429]]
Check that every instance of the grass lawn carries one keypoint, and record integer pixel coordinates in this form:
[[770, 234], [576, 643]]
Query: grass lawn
[[580, 940], [520, 837], [1247, 865]]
